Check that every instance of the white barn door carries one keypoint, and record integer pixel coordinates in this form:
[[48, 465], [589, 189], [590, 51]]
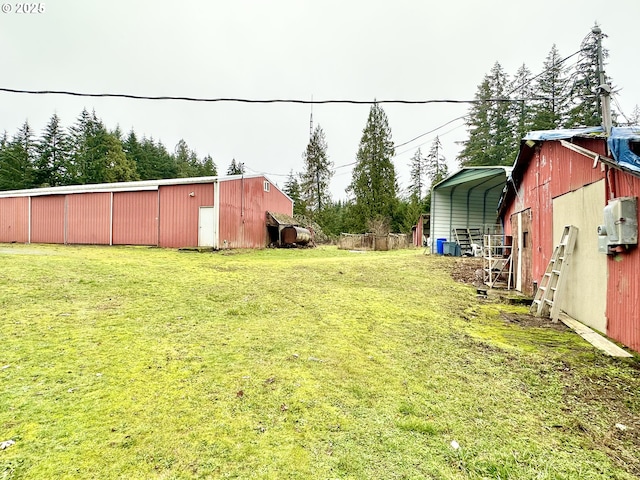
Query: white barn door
[[207, 227]]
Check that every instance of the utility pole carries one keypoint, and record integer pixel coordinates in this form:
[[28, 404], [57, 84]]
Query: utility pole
[[604, 89]]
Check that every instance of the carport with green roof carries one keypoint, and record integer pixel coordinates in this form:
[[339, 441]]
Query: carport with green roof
[[467, 199]]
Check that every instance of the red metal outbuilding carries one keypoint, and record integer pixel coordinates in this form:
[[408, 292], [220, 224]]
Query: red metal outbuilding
[[218, 212], [569, 180]]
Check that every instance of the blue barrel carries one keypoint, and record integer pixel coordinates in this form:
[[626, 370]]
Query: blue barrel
[[440, 245]]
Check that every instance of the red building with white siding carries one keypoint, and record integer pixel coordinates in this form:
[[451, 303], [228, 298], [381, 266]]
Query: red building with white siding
[[218, 212], [567, 178]]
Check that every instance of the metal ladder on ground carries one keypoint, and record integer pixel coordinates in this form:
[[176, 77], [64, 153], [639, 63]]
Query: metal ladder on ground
[[547, 299]]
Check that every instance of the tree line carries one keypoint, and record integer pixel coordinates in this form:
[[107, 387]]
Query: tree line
[[564, 95], [505, 109], [375, 200], [87, 152]]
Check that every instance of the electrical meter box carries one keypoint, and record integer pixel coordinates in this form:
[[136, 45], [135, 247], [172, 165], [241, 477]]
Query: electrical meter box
[[621, 221]]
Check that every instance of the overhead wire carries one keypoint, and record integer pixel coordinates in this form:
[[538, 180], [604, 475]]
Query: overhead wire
[[243, 100]]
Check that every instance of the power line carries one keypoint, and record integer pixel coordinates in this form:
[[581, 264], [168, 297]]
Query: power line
[[430, 131], [248, 100]]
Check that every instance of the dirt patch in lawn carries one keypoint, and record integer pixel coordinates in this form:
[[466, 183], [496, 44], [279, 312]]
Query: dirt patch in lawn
[[468, 270], [525, 320]]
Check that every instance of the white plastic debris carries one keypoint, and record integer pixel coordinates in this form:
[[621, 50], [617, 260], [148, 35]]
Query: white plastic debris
[[5, 366], [620, 426], [6, 444], [455, 445]]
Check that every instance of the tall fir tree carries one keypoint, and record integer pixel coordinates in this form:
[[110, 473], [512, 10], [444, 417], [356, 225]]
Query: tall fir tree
[[374, 183], [158, 162], [475, 150], [97, 155], [292, 188], [186, 160], [436, 168], [17, 159], [207, 167], [52, 165], [135, 153], [417, 173], [317, 173], [235, 168], [492, 138], [504, 146], [521, 111], [551, 108]]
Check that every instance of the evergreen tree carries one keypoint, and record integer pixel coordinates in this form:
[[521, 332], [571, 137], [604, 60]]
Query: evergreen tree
[[492, 138], [292, 188], [417, 173], [235, 168], [208, 167], [133, 150], [17, 159], [374, 184], [504, 145], [79, 135], [521, 111], [475, 150], [109, 162], [53, 161], [314, 180], [97, 155], [551, 108], [186, 160], [156, 160], [436, 164]]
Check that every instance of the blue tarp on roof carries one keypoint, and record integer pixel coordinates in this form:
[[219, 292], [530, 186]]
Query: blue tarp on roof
[[618, 141], [561, 134], [620, 148]]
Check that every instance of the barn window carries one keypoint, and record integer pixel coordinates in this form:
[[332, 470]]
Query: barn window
[[267, 186], [525, 239]]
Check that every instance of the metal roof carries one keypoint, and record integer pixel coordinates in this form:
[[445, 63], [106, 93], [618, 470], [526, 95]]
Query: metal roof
[[125, 186], [474, 176], [281, 219]]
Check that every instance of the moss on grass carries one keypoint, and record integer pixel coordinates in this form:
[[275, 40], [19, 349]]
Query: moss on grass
[[150, 363]]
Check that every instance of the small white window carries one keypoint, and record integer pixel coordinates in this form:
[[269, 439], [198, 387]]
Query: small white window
[[267, 186]]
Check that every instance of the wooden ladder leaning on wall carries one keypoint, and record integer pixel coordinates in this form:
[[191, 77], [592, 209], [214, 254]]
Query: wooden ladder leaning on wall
[[549, 294]]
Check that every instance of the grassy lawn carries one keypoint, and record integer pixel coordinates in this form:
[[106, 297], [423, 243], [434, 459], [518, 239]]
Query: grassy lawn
[[321, 364]]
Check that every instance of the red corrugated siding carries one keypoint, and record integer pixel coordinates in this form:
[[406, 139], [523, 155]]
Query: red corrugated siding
[[88, 218], [417, 233], [47, 219], [243, 207], [14, 220], [571, 170], [135, 218], [553, 171], [179, 213], [623, 284]]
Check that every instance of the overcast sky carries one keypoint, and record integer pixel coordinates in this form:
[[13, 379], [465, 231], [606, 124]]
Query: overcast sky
[[325, 49]]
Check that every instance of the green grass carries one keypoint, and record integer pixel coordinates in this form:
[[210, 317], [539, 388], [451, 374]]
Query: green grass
[[150, 363]]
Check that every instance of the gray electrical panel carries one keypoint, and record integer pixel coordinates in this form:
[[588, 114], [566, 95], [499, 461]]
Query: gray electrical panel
[[620, 223]]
